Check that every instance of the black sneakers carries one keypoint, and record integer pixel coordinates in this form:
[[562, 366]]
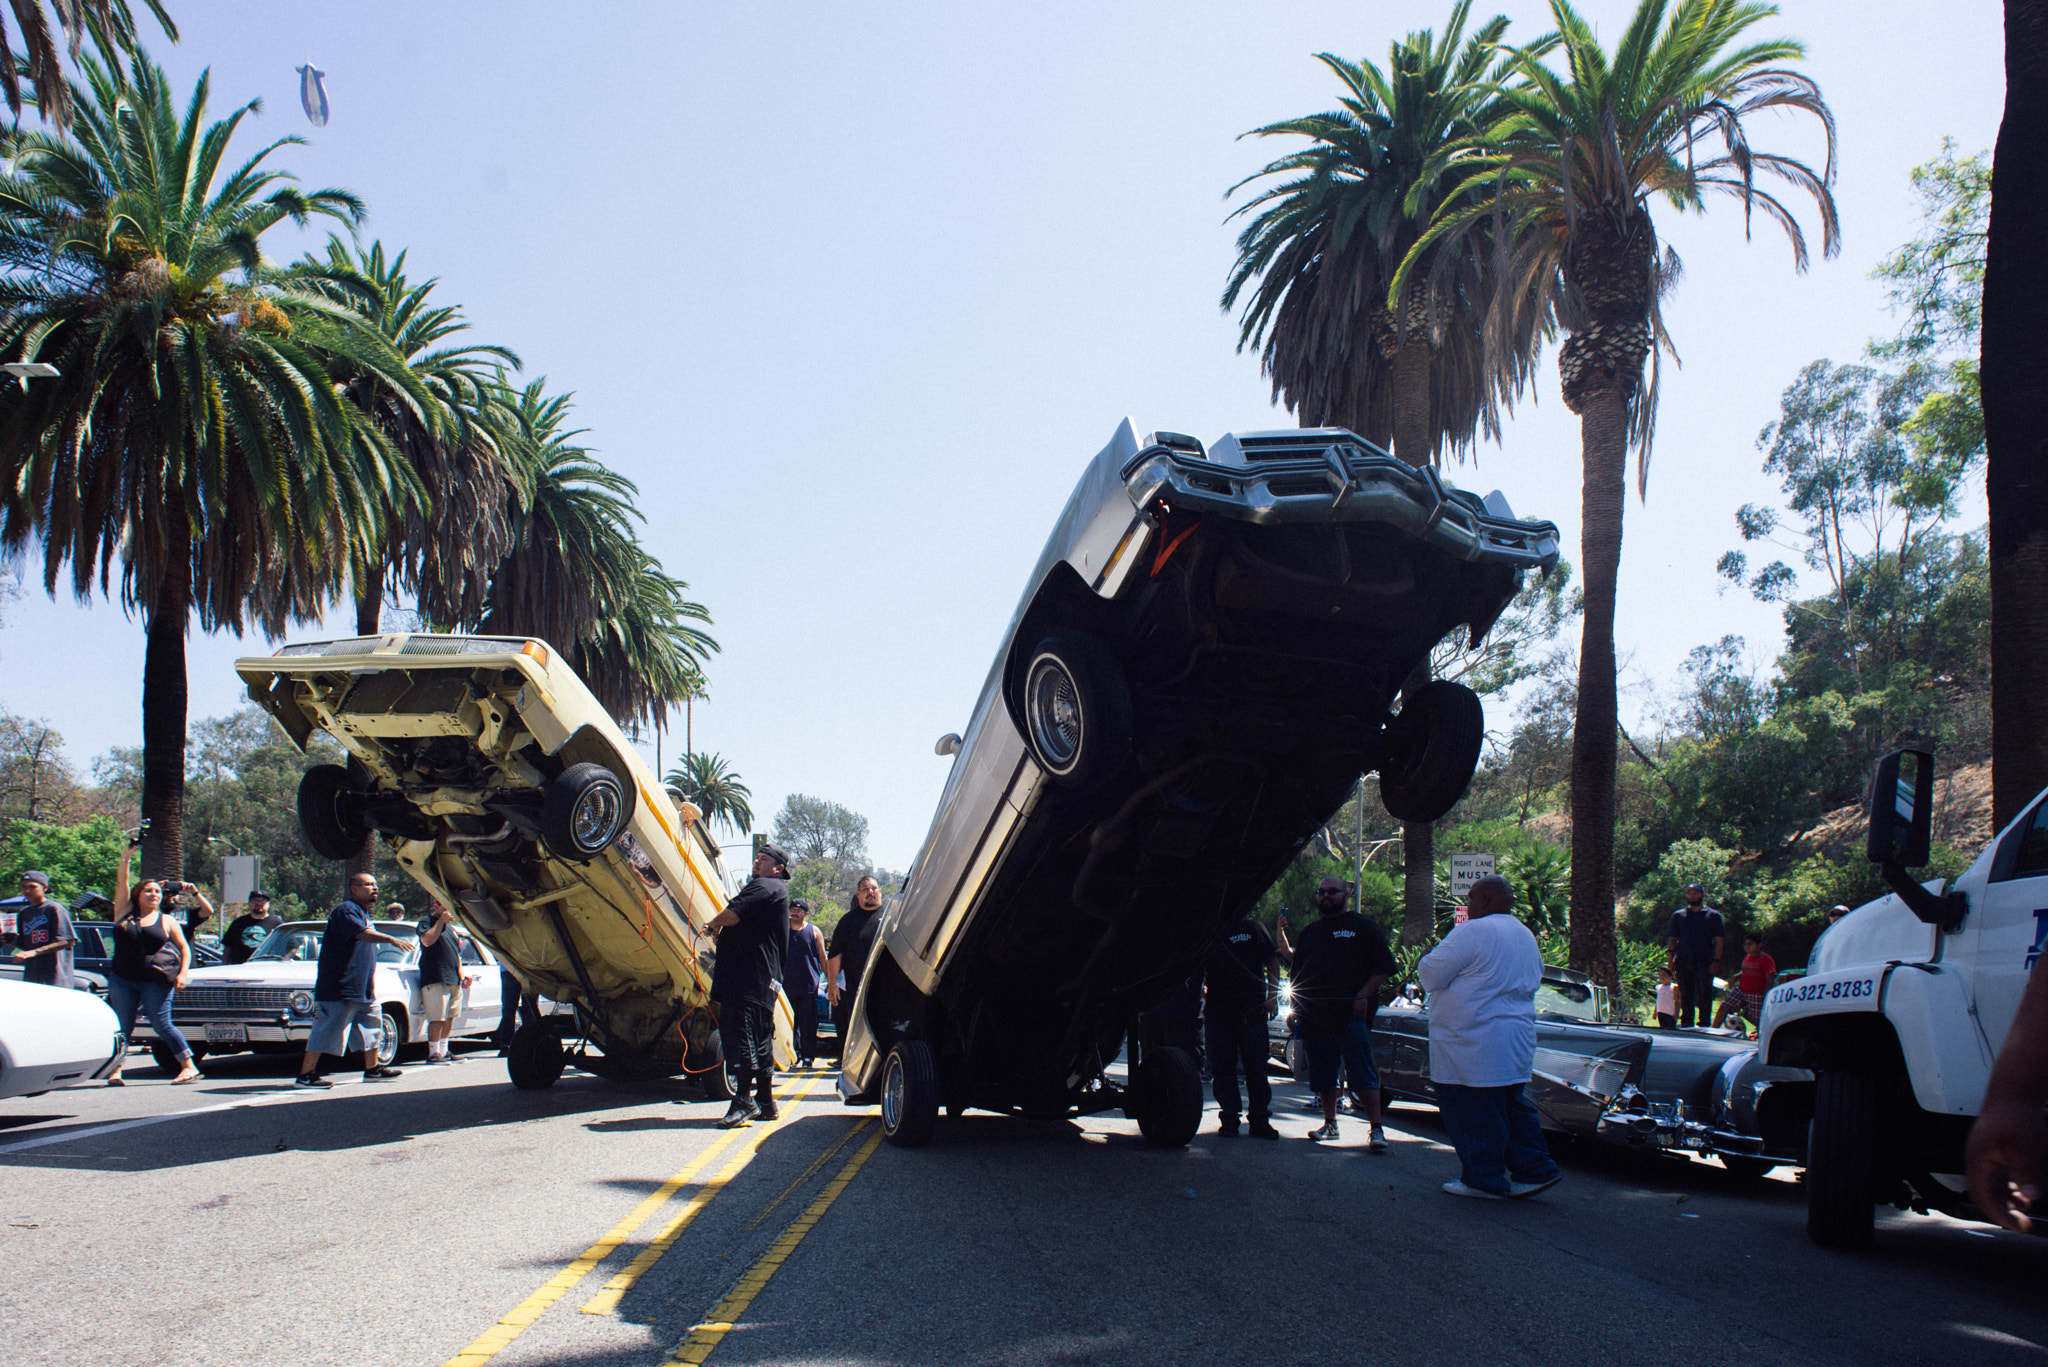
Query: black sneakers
[[1227, 1125], [382, 1074], [1263, 1129], [312, 1080]]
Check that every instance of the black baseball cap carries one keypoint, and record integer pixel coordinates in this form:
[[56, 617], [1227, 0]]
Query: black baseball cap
[[799, 904], [259, 893], [777, 853]]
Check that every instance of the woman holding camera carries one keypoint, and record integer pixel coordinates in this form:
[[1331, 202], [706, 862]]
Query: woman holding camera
[[151, 959]]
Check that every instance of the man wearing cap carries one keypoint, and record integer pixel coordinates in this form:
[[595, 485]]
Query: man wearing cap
[[1696, 934], [803, 964], [247, 932], [752, 933], [43, 935]]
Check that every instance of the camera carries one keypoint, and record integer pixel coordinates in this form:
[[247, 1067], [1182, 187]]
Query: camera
[[172, 888]]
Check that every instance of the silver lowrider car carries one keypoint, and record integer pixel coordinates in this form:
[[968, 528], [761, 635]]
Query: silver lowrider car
[[1206, 657]]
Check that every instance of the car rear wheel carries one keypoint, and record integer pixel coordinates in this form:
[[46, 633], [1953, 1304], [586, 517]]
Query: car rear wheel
[[535, 1059], [1077, 709], [1166, 1097], [1433, 747], [1841, 1161], [165, 1059], [390, 1035], [584, 811], [910, 1095], [327, 812]]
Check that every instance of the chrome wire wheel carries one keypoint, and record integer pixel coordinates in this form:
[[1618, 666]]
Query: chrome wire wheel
[[596, 817], [1053, 704], [892, 1094]]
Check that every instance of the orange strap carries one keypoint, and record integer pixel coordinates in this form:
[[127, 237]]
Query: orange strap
[[1166, 551]]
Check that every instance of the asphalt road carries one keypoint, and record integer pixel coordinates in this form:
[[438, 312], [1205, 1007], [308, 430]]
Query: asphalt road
[[447, 1218]]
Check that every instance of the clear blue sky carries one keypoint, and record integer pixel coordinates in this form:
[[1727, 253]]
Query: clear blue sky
[[854, 291]]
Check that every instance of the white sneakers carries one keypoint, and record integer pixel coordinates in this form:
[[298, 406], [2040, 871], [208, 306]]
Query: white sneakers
[[1458, 1188]]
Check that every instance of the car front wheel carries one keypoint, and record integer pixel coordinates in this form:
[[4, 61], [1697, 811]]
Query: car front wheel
[[1433, 747], [1841, 1161], [584, 811], [1077, 709], [327, 812]]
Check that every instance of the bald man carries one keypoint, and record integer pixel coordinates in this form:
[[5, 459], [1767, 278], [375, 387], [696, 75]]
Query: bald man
[[1482, 983]]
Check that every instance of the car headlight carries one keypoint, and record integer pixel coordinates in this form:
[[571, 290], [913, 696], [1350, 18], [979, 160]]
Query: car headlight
[[302, 1003]]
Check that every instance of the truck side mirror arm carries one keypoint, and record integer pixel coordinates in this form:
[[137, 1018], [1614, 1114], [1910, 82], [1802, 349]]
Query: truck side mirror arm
[[1944, 909]]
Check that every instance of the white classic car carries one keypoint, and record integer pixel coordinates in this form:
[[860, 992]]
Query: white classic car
[[54, 1037], [266, 1004]]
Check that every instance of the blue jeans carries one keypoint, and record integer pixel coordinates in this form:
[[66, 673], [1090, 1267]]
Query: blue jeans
[[1498, 1136], [152, 1000], [1351, 1046]]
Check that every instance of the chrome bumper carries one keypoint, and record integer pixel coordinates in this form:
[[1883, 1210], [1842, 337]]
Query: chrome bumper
[[1667, 1126]]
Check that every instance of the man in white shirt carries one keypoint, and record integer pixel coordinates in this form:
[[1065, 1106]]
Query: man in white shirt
[[1482, 983]]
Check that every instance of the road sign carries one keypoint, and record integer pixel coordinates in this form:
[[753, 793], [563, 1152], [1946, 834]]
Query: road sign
[[240, 875], [1467, 869]]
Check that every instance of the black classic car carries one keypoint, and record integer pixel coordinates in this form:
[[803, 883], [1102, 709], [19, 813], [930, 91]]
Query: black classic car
[[1699, 1091], [1212, 648]]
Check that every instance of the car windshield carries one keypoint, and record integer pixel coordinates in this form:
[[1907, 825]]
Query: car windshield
[[301, 944], [1557, 998]]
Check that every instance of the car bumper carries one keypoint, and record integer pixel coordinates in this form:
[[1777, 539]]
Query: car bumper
[[1674, 1131], [220, 1033]]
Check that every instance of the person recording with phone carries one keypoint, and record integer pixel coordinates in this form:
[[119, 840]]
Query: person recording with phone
[[151, 959]]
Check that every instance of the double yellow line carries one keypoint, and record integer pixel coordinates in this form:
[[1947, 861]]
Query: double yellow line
[[514, 1322]]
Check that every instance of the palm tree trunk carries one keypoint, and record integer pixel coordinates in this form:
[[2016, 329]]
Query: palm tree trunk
[[164, 704], [2015, 377], [1413, 443], [369, 605], [1603, 429]]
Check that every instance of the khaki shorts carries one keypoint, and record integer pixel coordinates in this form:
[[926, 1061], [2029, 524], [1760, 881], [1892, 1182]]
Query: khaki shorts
[[439, 1000]]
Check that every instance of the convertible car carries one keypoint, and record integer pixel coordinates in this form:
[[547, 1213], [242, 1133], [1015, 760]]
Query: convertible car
[[1214, 645], [1697, 1091], [509, 795]]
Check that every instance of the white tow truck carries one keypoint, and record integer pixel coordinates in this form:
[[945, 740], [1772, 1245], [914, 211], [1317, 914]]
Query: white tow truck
[[1903, 1009]]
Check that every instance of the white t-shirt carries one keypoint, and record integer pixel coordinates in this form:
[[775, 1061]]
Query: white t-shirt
[[1482, 983], [1667, 1000]]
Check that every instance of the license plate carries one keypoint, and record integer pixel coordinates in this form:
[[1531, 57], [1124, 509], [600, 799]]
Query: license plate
[[227, 1034]]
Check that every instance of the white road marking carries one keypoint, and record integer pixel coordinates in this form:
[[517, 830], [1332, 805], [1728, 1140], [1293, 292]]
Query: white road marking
[[145, 1120]]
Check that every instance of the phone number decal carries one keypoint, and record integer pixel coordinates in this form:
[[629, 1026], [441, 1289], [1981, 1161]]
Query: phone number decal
[[1834, 991]]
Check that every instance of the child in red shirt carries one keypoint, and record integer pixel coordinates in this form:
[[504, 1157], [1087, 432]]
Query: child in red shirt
[[1745, 998]]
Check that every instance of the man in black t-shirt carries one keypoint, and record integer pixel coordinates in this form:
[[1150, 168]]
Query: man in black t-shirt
[[1339, 964], [752, 933], [247, 932], [1242, 982], [853, 941]]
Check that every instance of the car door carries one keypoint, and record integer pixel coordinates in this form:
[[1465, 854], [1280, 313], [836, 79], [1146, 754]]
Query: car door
[[483, 1000], [2011, 929]]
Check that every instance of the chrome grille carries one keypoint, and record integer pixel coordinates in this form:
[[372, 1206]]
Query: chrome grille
[[199, 998]]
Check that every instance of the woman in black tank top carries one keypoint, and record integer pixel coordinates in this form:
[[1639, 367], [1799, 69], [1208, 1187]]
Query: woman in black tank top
[[143, 980]]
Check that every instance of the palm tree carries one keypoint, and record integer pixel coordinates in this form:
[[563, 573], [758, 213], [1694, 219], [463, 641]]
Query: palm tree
[[1572, 163], [111, 23], [577, 578], [710, 783], [449, 423], [1320, 256], [191, 433]]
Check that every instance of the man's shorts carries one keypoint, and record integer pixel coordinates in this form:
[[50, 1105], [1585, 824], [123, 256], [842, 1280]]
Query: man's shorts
[[439, 1000], [1750, 1004], [1351, 1046], [344, 1028]]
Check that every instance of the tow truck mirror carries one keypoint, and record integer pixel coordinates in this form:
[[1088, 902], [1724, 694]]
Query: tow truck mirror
[[1901, 809], [949, 744]]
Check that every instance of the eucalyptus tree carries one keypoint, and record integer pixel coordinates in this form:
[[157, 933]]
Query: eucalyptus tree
[[1572, 162], [1415, 370], [191, 433], [448, 419], [577, 577]]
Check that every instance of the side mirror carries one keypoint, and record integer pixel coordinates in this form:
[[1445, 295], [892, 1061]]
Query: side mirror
[[949, 744], [1901, 835], [1901, 810]]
